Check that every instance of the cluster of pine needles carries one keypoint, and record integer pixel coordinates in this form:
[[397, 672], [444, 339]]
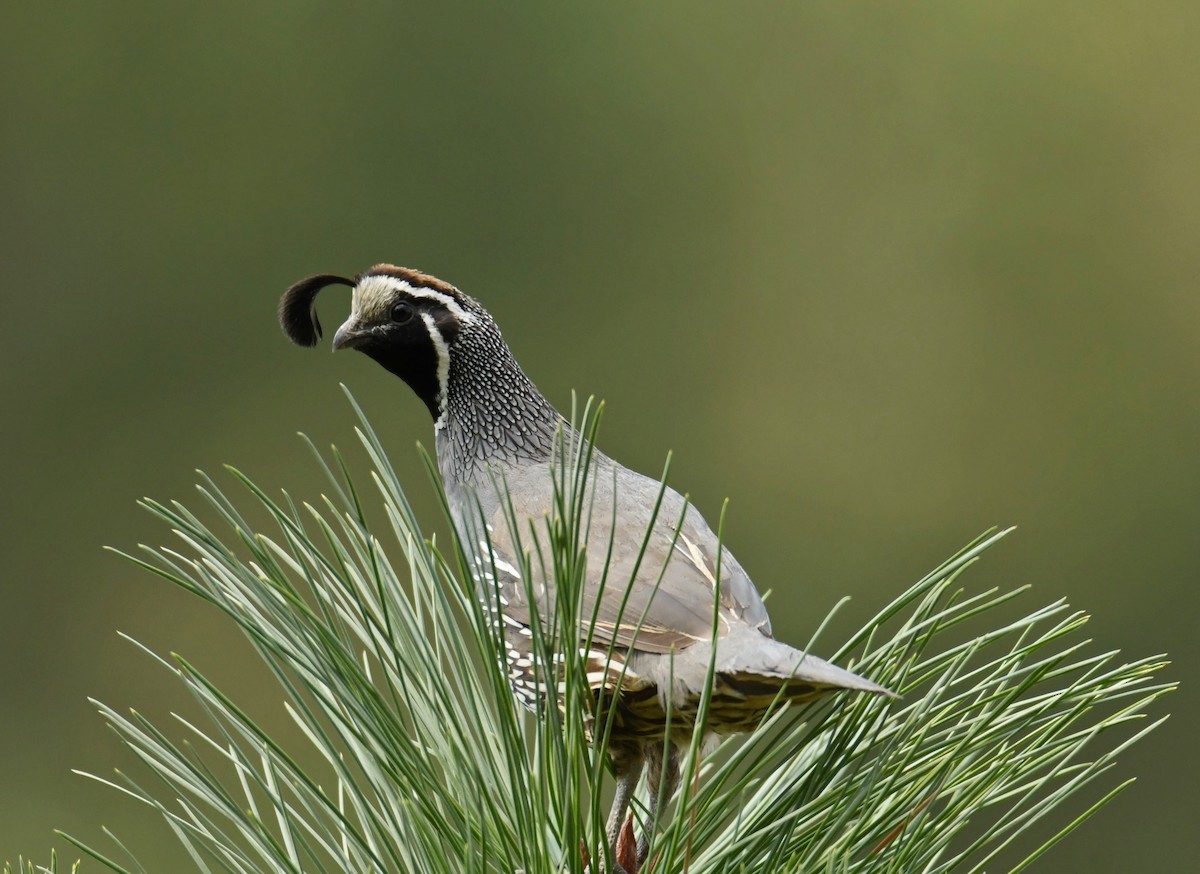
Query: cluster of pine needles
[[416, 758]]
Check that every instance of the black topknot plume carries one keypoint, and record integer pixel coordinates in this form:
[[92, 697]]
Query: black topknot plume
[[297, 307]]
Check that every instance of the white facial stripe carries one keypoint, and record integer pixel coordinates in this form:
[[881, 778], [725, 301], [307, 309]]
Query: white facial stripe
[[381, 288], [446, 300], [443, 367]]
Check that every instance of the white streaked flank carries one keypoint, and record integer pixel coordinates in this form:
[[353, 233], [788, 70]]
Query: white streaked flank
[[506, 567]]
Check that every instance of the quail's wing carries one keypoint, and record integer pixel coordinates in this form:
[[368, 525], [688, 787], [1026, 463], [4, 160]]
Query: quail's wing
[[651, 576]]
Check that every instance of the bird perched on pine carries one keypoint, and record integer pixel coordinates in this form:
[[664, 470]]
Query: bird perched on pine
[[652, 591]]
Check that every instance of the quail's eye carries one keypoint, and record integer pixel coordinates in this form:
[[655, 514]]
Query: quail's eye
[[402, 312]]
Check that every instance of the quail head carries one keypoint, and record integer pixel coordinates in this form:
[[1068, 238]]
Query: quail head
[[654, 612]]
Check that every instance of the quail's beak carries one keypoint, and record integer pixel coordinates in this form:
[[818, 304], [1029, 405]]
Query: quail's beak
[[348, 335]]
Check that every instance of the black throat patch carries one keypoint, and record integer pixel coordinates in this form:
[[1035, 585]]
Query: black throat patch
[[415, 359]]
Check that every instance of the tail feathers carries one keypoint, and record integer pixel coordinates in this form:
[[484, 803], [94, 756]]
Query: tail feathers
[[750, 665], [760, 661]]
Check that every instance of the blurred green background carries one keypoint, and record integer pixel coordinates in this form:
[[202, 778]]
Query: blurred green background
[[883, 274]]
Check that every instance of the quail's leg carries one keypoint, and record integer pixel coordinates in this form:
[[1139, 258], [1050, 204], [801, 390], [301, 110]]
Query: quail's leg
[[661, 781], [627, 762]]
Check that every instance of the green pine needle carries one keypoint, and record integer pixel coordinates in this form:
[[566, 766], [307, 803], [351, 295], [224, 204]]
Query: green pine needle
[[25, 866], [416, 757]]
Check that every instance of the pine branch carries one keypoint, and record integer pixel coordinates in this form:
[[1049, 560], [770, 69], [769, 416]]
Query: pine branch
[[394, 674]]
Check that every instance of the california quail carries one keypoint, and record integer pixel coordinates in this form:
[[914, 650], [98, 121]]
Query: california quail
[[492, 423]]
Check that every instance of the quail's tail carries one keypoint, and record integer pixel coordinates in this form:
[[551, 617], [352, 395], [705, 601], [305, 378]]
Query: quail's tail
[[757, 665], [753, 669]]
